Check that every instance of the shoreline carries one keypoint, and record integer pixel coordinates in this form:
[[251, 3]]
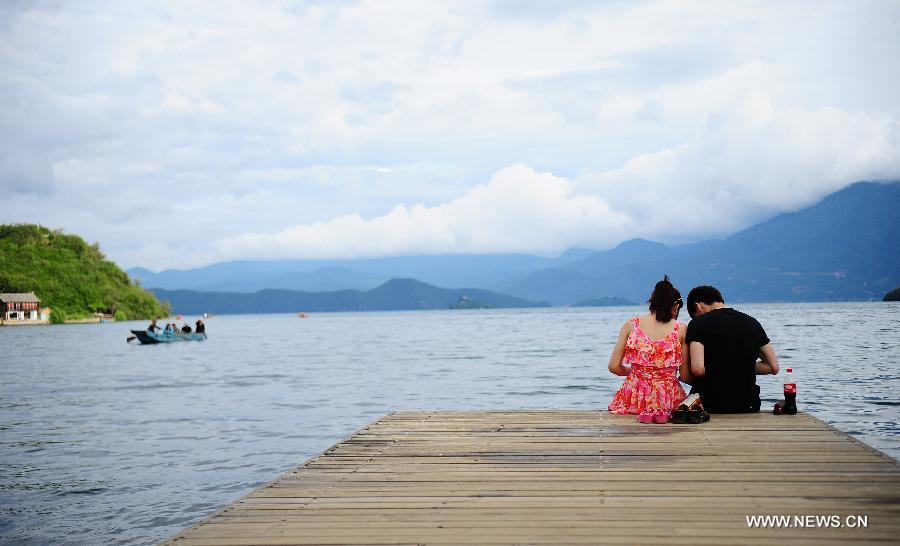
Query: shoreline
[[24, 322], [88, 320]]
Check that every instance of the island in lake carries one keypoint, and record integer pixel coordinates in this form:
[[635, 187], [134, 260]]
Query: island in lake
[[605, 301], [466, 302]]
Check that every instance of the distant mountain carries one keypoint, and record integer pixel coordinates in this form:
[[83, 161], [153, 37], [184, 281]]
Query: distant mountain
[[558, 286], [394, 295], [634, 250], [252, 276], [484, 271], [618, 272], [323, 279], [843, 248]]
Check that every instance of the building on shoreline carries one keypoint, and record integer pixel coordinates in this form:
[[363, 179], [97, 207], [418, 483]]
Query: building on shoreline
[[21, 307]]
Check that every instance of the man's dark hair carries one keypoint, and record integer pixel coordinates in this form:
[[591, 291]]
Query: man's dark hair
[[703, 294], [663, 299]]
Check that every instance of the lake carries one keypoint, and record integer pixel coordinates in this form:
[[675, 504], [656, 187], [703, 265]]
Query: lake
[[106, 442]]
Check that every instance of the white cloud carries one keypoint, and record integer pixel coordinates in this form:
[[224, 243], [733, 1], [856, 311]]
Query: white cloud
[[199, 122], [519, 210], [81, 173], [743, 165], [747, 164]]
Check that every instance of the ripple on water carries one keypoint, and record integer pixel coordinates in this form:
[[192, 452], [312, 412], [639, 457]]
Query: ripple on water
[[91, 491], [116, 444]]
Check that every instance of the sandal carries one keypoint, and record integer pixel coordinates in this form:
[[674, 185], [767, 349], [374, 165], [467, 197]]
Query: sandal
[[697, 415], [662, 418], [680, 415], [645, 418]]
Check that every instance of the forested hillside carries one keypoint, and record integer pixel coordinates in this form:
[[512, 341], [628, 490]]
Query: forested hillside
[[70, 276]]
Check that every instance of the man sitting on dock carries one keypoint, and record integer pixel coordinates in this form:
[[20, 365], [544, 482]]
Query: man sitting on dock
[[724, 345]]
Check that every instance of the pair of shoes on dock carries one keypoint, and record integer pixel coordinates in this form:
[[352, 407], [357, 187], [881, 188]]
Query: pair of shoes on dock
[[690, 412], [658, 418]]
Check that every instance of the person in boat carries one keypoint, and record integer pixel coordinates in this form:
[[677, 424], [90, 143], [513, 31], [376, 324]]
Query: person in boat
[[186, 329], [200, 327], [727, 350], [153, 327], [651, 354]]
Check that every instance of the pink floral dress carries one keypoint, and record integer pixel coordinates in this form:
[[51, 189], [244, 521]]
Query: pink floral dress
[[652, 386]]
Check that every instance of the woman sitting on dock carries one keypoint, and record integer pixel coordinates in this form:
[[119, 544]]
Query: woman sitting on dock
[[650, 353]]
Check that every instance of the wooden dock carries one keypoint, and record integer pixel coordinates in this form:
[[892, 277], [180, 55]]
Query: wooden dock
[[572, 477]]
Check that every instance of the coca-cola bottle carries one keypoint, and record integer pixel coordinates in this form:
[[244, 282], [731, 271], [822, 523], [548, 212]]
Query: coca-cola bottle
[[790, 393]]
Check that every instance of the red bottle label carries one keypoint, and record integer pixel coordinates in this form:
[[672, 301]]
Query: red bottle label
[[790, 387]]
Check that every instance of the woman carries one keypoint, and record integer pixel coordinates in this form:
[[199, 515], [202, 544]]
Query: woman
[[650, 353]]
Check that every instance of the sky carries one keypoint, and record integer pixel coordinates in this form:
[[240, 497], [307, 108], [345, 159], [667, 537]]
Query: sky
[[179, 134]]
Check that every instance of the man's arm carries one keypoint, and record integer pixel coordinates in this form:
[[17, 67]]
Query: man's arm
[[698, 366], [684, 371], [768, 362]]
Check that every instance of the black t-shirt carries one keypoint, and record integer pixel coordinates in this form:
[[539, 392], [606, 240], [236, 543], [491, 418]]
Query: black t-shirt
[[731, 342]]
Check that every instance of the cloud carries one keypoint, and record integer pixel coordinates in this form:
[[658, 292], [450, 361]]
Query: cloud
[[673, 63], [542, 11], [746, 164], [201, 122], [25, 171], [743, 166], [519, 210]]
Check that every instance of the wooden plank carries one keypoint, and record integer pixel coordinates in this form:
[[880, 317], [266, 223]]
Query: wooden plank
[[467, 539], [570, 477]]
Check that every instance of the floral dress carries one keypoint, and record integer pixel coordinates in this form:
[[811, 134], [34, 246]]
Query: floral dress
[[652, 386]]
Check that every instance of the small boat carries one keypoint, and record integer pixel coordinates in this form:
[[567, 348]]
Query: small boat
[[147, 338]]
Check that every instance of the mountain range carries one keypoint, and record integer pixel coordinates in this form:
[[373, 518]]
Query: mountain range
[[483, 271], [842, 248], [394, 295]]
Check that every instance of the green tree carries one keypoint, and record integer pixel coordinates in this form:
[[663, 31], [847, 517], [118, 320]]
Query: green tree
[[70, 276]]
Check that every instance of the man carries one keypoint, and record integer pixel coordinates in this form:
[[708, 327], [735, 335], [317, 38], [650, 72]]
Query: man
[[724, 345]]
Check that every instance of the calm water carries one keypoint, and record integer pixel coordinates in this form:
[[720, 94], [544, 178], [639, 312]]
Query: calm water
[[104, 442]]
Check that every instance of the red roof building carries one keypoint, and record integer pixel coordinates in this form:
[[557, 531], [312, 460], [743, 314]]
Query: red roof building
[[20, 306]]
